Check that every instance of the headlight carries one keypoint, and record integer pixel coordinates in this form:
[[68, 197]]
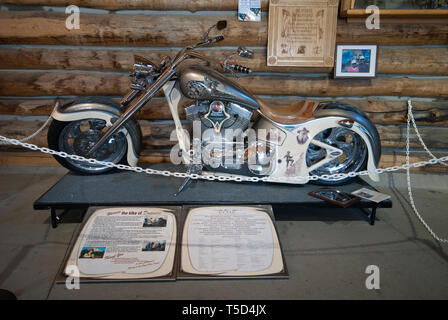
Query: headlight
[[144, 71]]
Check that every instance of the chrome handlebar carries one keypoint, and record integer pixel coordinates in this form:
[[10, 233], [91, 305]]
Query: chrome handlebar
[[188, 52]]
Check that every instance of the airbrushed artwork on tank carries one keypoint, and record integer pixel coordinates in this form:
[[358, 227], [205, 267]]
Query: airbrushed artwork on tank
[[198, 89], [202, 83], [302, 135], [292, 166]]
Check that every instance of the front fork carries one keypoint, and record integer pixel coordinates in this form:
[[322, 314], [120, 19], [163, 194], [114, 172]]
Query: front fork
[[133, 108]]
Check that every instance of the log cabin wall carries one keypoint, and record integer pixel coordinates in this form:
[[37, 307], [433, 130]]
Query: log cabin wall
[[41, 61]]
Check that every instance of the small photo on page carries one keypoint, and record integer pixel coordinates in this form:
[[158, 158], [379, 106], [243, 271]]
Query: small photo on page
[[92, 252], [154, 245], [154, 221], [370, 195]]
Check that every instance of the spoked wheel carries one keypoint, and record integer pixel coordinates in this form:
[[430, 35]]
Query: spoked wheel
[[353, 158], [78, 137]]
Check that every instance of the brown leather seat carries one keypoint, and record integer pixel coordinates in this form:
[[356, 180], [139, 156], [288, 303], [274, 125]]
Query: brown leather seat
[[292, 114]]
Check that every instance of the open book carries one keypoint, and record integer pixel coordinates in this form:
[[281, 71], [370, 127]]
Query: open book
[[138, 243], [126, 243], [230, 241]]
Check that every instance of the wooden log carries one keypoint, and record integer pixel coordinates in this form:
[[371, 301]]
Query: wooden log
[[151, 156], [37, 83], [419, 61], [33, 27], [400, 15], [395, 112], [388, 159], [389, 34], [123, 60], [379, 111], [394, 136], [321, 86], [191, 5], [57, 83], [157, 108], [156, 134], [398, 158], [122, 29]]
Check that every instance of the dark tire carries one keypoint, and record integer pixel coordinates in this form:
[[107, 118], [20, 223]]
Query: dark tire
[[354, 161], [55, 142]]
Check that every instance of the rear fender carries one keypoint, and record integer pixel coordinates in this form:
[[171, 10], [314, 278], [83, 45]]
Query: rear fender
[[362, 123]]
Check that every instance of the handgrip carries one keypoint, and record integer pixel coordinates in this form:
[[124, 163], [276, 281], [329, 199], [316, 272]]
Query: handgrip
[[241, 69], [217, 39]]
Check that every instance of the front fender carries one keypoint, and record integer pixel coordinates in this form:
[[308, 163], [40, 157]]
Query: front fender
[[339, 109], [105, 110]]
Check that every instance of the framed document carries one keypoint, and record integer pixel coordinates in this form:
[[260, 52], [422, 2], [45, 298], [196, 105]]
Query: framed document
[[125, 243], [302, 33], [230, 242]]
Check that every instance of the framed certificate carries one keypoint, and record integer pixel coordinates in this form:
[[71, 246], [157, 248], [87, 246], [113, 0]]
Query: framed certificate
[[302, 33]]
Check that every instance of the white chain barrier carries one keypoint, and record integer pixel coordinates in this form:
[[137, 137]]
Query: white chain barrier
[[212, 177], [408, 173]]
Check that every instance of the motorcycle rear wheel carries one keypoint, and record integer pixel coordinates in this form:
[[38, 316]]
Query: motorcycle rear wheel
[[354, 157]]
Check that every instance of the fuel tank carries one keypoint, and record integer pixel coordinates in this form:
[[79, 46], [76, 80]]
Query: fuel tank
[[202, 83]]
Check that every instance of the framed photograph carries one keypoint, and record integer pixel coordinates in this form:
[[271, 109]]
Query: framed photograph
[[355, 61]]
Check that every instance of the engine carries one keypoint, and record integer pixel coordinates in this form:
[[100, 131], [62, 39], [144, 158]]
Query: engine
[[218, 115], [218, 143]]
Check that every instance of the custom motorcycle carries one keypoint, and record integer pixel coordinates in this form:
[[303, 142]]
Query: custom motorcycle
[[303, 139]]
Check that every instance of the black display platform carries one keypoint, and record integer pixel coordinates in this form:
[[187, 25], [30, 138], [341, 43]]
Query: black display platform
[[124, 188]]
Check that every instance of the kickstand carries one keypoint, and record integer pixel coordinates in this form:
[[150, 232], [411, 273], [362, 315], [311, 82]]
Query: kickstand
[[192, 169]]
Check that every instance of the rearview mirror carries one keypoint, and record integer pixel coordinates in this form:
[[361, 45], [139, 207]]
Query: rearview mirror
[[222, 24]]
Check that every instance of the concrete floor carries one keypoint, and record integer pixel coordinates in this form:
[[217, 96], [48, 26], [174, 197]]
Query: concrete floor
[[326, 252]]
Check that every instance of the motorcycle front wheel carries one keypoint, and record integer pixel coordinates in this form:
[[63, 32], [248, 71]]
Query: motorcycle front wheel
[[77, 137], [353, 158]]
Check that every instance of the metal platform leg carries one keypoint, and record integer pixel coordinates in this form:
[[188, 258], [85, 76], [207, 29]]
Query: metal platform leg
[[54, 218], [71, 215], [372, 216]]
